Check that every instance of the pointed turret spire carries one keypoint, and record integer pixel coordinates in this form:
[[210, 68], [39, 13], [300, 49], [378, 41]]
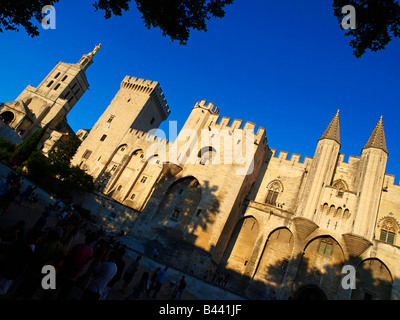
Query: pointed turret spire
[[377, 138], [333, 130], [87, 59]]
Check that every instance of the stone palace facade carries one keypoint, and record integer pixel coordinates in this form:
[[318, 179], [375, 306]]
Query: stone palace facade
[[220, 197]]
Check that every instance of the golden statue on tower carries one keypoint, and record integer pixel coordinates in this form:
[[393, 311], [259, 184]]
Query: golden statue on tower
[[96, 48]]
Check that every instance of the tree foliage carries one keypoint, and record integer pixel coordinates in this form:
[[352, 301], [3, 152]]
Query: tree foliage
[[7, 148], [174, 17], [24, 150], [57, 166], [377, 22], [38, 166], [65, 150], [22, 13]]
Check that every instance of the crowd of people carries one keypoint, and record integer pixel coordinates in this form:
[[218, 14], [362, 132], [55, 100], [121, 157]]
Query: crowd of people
[[94, 266]]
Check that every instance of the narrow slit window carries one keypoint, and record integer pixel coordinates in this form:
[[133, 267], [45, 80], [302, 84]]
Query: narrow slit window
[[87, 154], [143, 180]]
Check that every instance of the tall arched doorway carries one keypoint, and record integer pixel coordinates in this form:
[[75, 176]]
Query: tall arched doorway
[[180, 201], [239, 257], [321, 266], [373, 281], [271, 267]]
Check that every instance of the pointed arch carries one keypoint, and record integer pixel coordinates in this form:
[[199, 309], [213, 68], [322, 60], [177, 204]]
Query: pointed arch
[[181, 200], [321, 265], [373, 281], [274, 259], [388, 228], [207, 155], [274, 188], [238, 255], [276, 185], [341, 187]]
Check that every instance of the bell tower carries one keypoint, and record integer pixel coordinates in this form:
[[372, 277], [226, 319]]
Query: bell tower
[[57, 94]]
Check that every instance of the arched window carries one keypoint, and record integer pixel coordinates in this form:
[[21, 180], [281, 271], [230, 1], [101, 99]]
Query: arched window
[[338, 212], [346, 214], [340, 187], [388, 231], [325, 246], [7, 117], [273, 192], [206, 155]]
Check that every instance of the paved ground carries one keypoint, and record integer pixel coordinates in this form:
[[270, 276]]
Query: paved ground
[[31, 212]]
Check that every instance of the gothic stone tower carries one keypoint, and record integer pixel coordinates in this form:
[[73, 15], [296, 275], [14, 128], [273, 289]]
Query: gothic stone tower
[[51, 100], [305, 220], [197, 201], [139, 105]]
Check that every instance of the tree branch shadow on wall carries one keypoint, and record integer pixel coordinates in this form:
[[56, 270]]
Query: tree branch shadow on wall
[[373, 281], [179, 224], [182, 238]]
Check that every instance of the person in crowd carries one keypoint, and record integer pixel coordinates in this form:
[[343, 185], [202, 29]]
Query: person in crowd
[[140, 287], [97, 288], [153, 280], [120, 262], [130, 272], [26, 194], [180, 288], [73, 264], [162, 275], [18, 256], [49, 251]]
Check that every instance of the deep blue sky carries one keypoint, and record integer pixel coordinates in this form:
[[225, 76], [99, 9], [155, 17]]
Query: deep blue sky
[[284, 65]]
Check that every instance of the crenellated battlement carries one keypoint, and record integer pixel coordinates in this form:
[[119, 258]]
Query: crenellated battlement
[[223, 123], [146, 137], [237, 124], [351, 161], [135, 83], [293, 161], [389, 182], [150, 87], [210, 106]]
